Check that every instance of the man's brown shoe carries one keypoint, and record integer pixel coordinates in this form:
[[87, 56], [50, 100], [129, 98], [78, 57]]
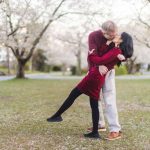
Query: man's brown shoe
[[114, 136]]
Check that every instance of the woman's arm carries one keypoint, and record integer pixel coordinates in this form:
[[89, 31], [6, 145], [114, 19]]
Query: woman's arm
[[106, 58]]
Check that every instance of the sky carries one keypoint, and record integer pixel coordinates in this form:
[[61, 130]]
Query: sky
[[128, 9]]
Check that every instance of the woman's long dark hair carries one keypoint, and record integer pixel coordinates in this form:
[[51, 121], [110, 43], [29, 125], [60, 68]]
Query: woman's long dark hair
[[127, 45]]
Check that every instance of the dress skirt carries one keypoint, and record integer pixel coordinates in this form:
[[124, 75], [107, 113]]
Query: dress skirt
[[92, 83]]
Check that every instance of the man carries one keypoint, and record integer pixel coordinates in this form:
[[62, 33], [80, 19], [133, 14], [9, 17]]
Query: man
[[99, 40]]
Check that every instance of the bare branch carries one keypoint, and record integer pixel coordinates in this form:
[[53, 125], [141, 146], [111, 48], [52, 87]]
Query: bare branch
[[57, 8], [143, 42], [13, 32], [24, 13], [140, 18], [37, 17], [11, 49], [22, 51], [142, 21], [36, 41], [10, 23], [67, 40], [1, 1]]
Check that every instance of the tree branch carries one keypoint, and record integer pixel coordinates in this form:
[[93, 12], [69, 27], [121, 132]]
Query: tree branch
[[11, 49], [145, 23], [140, 18], [57, 8], [10, 23], [143, 42], [36, 41]]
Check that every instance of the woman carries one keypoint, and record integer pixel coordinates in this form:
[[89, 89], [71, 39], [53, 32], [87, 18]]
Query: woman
[[93, 81]]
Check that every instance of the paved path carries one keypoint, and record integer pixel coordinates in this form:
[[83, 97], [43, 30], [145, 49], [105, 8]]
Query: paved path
[[60, 77]]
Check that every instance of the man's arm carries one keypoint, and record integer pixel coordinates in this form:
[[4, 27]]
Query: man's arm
[[92, 42]]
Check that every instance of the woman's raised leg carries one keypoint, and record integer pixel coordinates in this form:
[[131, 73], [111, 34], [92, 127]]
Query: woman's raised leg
[[67, 103]]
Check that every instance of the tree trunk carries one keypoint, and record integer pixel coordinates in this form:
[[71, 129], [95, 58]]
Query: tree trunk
[[8, 61], [20, 69], [131, 67], [31, 64], [78, 71], [79, 66]]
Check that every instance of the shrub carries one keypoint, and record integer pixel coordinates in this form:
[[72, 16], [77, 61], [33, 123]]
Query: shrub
[[122, 70]]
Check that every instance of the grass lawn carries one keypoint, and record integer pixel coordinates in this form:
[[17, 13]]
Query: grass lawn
[[25, 105]]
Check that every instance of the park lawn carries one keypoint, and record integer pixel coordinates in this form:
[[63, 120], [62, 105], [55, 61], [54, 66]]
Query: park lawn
[[25, 105]]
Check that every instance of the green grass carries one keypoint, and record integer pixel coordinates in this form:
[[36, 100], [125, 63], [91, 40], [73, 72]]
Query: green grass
[[25, 105]]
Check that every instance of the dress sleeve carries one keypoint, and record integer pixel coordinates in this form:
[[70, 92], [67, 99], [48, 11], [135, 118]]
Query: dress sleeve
[[106, 58]]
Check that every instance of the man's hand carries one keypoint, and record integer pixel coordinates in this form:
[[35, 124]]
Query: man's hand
[[103, 69], [121, 57]]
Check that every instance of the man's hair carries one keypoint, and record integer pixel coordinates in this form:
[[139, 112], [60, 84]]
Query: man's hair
[[109, 26]]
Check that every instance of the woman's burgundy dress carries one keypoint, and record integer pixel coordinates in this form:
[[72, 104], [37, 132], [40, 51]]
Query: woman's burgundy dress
[[92, 83]]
